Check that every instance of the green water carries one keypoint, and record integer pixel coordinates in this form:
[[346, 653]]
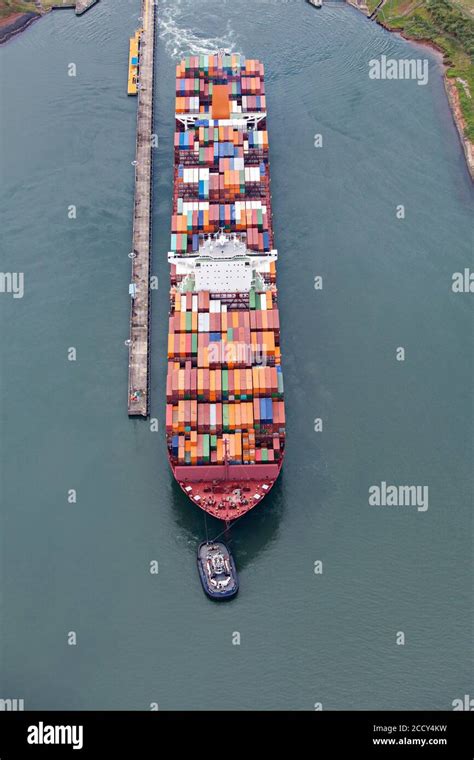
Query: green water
[[84, 567]]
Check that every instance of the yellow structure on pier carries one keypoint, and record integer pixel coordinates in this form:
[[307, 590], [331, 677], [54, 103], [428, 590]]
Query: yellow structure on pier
[[134, 55], [133, 62]]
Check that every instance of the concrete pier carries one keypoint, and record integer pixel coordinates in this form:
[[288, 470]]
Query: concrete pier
[[138, 362], [83, 5]]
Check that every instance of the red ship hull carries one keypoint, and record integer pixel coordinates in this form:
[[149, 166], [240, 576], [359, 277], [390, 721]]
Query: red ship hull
[[226, 495]]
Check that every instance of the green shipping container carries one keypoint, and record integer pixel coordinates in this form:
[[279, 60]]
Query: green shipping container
[[225, 416], [194, 343]]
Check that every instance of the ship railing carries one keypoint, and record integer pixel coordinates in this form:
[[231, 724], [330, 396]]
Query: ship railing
[[248, 119]]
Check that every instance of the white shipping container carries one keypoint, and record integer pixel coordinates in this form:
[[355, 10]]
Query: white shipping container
[[212, 414]]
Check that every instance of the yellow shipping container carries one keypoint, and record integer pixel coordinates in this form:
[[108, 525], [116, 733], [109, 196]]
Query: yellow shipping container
[[238, 417], [249, 414], [237, 382], [255, 380], [238, 445]]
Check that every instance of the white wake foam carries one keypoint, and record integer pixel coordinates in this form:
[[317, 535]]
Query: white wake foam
[[180, 41]]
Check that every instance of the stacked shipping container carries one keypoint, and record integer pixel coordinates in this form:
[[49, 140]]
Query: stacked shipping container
[[197, 75], [225, 384]]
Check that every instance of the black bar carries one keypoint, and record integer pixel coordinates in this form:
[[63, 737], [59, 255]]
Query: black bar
[[154, 734]]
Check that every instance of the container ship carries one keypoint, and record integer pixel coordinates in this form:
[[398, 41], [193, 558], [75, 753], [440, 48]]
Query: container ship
[[225, 414]]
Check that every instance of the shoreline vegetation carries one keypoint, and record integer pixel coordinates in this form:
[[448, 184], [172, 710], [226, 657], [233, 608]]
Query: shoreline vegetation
[[446, 26], [18, 15]]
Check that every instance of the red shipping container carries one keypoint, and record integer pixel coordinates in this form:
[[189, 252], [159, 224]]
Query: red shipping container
[[200, 415], [169, 418], [256, 409]]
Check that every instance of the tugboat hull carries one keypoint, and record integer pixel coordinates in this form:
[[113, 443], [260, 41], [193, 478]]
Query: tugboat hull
[[217, 570]]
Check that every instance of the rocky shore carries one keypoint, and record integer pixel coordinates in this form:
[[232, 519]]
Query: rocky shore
[[15, 24]]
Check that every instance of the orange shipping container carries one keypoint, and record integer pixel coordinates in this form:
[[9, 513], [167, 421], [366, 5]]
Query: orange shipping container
[[238, 445]]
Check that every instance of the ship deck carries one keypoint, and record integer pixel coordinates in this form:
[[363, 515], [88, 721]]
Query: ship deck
[[227, 500]]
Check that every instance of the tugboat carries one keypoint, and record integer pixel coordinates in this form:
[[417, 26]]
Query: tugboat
[[217, 570]]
